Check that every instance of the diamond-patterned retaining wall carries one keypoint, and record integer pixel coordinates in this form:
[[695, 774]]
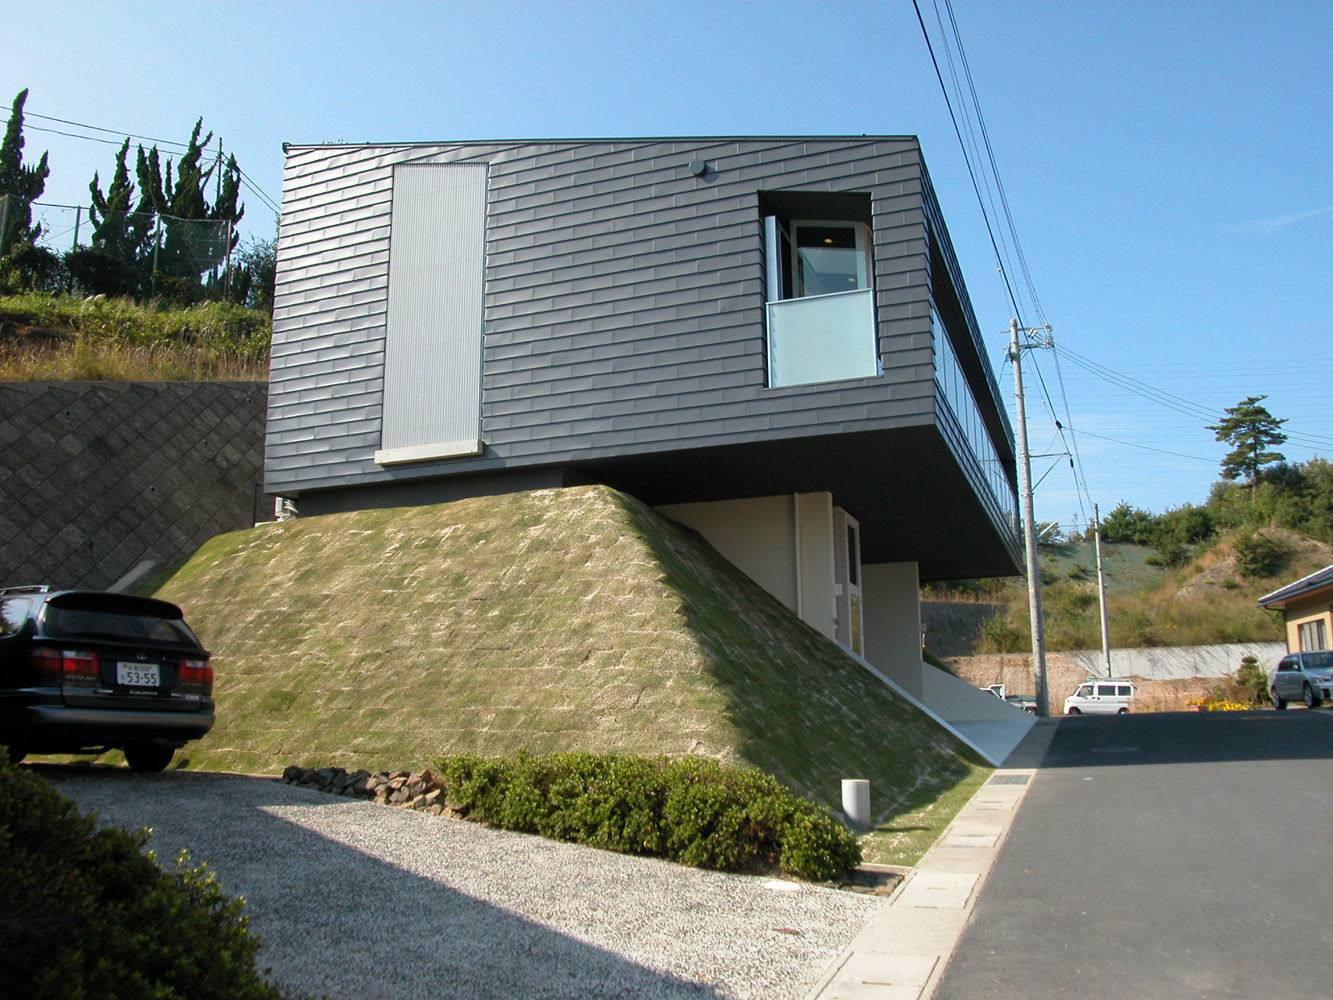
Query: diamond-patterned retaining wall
[[99, 478]]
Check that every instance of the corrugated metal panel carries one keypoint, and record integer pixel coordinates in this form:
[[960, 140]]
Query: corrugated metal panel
[[432, 354]]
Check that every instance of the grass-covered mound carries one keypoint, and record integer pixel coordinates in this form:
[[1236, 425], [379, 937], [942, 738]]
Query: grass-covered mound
[[556, 620], [86, 913]]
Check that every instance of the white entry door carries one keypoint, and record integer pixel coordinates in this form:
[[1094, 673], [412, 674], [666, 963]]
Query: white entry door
[[847, 580]]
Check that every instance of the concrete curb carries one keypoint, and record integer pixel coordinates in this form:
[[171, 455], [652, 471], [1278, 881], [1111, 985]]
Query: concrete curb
[[903, 950]]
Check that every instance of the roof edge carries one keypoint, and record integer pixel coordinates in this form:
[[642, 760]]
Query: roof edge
[[1310, 581], [341, 144]]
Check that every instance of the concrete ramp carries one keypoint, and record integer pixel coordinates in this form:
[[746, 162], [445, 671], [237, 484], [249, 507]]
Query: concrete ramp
[[988, 725]]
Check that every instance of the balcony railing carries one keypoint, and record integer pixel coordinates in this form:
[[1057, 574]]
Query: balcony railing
[[822, 338]]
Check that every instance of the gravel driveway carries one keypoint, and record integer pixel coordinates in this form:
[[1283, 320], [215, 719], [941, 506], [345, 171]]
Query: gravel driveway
[[355, 900]]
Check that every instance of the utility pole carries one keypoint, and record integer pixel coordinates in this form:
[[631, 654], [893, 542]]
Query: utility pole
[[1101, 588], [1032, 338]]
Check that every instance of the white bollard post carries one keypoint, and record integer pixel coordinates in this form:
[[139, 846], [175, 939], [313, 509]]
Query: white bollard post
[[856, 803]]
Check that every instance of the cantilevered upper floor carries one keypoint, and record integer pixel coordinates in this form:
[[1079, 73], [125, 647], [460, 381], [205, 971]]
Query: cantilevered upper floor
[[685, 319]]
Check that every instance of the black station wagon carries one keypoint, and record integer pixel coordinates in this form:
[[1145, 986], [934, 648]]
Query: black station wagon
[[88, 671]]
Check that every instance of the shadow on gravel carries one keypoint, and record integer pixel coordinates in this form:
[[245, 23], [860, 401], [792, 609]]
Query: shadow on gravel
[[337, 921], [1190, 738]]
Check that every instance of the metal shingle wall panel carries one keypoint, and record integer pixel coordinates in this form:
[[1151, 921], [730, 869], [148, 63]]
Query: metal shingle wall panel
[[623, 304]]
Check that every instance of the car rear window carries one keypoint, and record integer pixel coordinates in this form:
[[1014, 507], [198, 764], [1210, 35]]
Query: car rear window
[[13, 614], [76, 623]]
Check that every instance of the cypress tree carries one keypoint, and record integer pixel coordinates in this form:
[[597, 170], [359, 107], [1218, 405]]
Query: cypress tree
[[20, 185]]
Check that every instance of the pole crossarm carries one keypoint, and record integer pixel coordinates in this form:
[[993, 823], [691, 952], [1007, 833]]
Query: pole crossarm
[[1034, 338]]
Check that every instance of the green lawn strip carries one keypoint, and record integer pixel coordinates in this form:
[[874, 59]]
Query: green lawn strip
[[924, 816]]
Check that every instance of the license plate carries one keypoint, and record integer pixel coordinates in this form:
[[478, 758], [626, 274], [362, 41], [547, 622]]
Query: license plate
[[139, 675]]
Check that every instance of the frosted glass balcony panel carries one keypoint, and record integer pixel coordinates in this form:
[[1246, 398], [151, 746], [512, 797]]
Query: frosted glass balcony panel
[[822, 338]]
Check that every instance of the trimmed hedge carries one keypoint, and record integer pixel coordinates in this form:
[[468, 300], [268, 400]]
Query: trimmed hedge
[[86, 913], [692, 810]]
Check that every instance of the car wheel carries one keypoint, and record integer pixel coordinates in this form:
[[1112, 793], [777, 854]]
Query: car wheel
[[148, 756], [1278, 701], [1123, 711], [1074, 711], [1309, 697]]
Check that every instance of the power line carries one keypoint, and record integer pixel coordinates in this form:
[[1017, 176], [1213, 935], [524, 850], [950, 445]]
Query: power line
[[259, 192], [967, 161], [109, 131], [969, 109], [1144, 447]]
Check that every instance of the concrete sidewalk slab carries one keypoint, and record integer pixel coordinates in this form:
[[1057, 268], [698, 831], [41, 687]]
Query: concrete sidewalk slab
[[904, 948]]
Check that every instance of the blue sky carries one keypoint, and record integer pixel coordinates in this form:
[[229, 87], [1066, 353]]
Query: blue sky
[[1167, 166]]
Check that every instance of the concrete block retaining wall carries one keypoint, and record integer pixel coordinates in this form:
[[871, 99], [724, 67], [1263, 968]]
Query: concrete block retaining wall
[[106, 480], [1166, 676]]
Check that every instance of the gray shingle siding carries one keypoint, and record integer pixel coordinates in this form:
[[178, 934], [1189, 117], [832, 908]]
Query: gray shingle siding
[[624, 302]]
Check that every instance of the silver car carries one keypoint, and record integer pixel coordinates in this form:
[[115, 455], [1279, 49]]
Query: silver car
[[1306, 676]]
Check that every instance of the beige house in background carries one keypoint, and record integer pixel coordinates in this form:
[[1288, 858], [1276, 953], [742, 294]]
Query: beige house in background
[[1307, 609]]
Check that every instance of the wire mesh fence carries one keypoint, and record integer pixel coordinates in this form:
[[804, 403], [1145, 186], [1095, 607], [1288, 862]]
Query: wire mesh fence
[[161, 246]]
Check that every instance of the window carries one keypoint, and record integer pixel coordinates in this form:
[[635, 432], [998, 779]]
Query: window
[[13, 614], [821, 311], [1311, 635]]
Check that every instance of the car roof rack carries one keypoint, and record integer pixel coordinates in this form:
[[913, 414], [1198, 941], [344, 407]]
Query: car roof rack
[[32, 588]]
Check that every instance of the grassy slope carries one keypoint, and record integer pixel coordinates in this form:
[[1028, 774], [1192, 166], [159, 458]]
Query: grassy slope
[[60, 337], [555, 620], [1203, 602]]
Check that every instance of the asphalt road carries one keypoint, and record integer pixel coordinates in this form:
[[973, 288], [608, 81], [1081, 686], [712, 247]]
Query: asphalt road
[[1177, 856]]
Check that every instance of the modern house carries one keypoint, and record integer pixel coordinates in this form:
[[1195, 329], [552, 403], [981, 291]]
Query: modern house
[[1307, 610], [767, 339]]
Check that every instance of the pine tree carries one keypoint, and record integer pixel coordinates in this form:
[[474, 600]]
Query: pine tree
[[20, 185], [1250, 430]]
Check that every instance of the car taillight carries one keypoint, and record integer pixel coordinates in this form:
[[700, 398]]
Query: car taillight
[[69, 664], [196, 672]]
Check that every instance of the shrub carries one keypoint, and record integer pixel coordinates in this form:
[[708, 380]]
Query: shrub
[[692, 810], [87, 913], [1259, 555], [1252, 680], [1004, 633], [94, 271], [29, 268]]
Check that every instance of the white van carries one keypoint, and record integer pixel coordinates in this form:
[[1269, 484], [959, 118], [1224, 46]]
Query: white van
[[1109, 696]]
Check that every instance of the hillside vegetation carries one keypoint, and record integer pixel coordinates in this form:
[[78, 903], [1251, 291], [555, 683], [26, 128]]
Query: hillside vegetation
[[574, 620], [1210, 599], [45, 336]]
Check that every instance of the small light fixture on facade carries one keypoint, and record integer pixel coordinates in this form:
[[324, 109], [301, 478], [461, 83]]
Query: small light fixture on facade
[[698, 167]]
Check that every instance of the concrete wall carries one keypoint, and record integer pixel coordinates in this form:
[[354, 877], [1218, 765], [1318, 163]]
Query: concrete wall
[[1166, 676], [783, 543], [893, 622], [103, 478]]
